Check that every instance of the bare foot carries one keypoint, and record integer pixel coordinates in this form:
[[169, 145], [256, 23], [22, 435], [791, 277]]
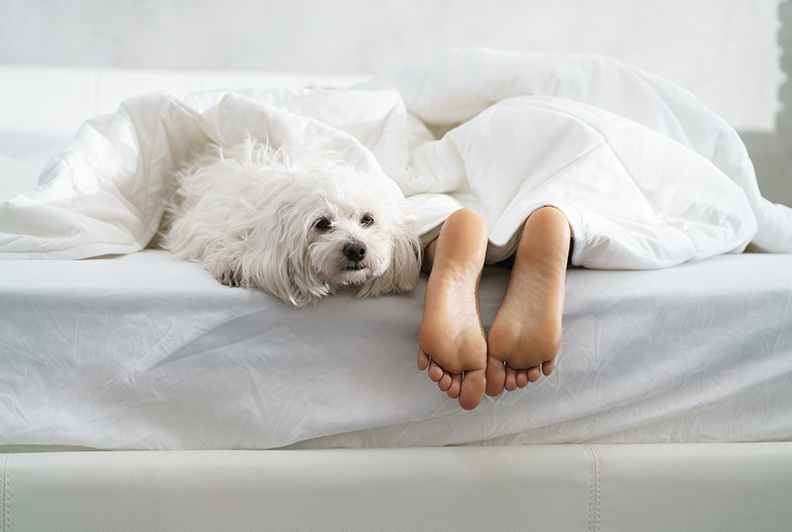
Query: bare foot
[[526, 333], [451, 340]]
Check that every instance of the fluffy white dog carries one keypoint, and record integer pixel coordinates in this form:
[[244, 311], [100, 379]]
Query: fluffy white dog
[[296, 222]]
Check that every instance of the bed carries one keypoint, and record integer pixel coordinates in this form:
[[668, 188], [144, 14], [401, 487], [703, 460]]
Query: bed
[[138, 393]]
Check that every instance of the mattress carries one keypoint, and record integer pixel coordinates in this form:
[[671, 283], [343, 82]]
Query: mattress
[[144, 352]]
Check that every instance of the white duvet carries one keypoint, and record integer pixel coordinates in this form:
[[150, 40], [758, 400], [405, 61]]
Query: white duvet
[[646, 175]]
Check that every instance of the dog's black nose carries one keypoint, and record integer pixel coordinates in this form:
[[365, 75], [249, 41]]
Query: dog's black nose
[[355, 251]]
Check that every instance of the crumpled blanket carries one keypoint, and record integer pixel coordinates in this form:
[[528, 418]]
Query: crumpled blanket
[[647, 176]]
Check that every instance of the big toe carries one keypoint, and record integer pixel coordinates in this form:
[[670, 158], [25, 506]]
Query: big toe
[[471, 393], [496, 376]]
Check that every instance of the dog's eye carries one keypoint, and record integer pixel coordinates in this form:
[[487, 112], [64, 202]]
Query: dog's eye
[[323, 224], [366, 220]]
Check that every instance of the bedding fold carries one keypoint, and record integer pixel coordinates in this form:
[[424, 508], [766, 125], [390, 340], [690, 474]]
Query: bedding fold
[[647, 176]]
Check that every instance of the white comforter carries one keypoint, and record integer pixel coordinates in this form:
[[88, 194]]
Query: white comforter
[[646, 175]]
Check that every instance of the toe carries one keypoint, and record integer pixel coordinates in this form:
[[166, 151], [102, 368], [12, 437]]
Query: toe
[[522, 378], [423, 360], [547, 367], [456, 385], [511, 379], [534, 373], [472, 390], [445, 381], [495, 376], [435, 372]]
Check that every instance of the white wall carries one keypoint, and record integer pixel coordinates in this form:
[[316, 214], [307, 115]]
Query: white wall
[[725, 51]]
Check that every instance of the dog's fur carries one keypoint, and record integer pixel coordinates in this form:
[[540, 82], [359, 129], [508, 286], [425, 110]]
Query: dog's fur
[[297, 222]]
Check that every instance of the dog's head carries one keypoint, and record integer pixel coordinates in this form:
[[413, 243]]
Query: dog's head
[[327, 226]]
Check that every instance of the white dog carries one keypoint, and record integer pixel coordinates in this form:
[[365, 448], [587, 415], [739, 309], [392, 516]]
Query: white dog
[[296, 222]]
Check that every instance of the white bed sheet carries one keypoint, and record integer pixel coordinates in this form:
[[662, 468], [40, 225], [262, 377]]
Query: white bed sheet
[[143, 352]]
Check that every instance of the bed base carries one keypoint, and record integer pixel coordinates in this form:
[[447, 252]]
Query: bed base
[[543, 487]]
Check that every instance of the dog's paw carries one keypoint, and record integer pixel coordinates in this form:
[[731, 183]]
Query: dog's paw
[[230, 278]]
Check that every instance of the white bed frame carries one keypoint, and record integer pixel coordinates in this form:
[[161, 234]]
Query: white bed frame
[[544, 487]]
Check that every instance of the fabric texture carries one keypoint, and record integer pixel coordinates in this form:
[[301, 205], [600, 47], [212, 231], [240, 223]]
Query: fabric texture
[[646, 175], [144, 352]]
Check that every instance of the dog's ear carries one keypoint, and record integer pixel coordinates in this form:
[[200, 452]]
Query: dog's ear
[[265, 262], [269, 271], [307, 287], [277, 261], [405, 266]]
